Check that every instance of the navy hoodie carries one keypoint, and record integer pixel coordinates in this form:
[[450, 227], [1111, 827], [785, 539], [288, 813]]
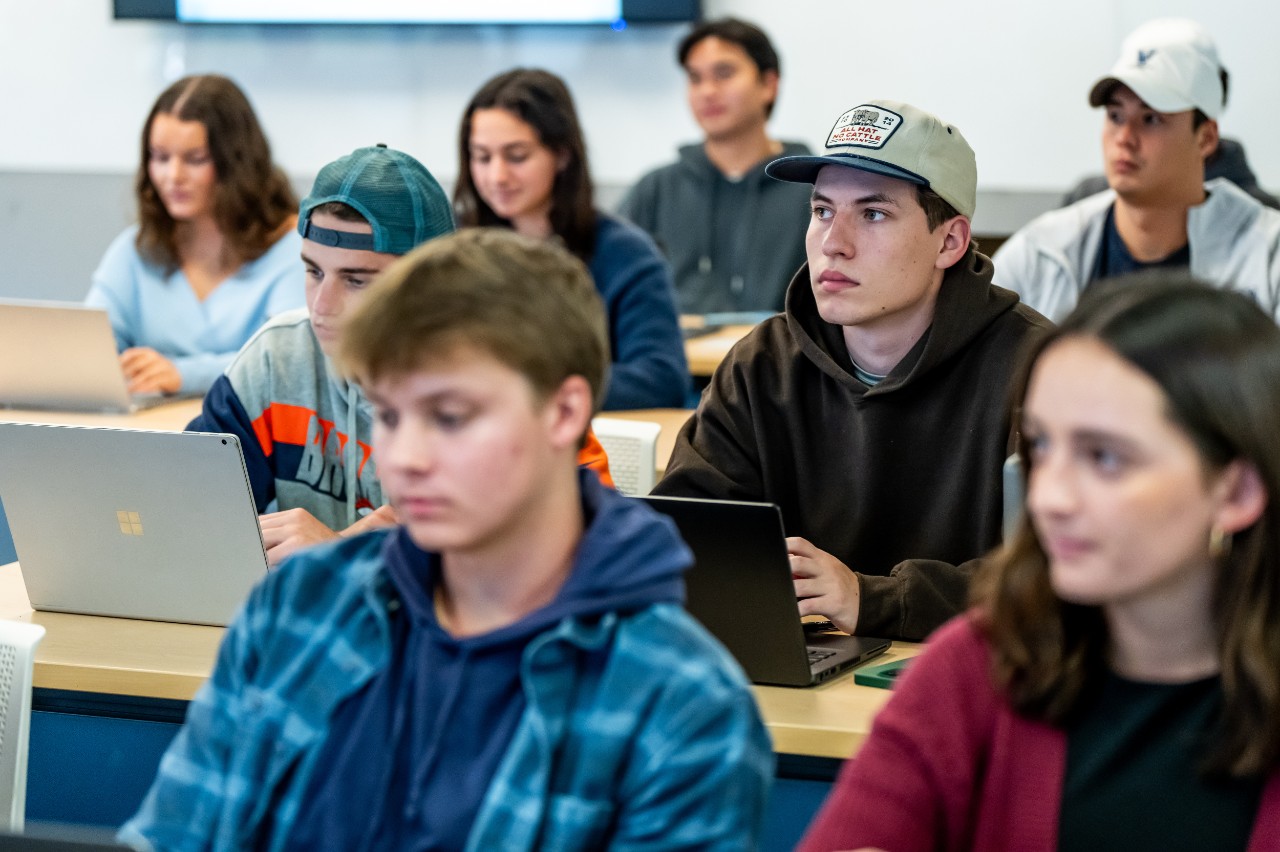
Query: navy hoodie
[[408, 758]]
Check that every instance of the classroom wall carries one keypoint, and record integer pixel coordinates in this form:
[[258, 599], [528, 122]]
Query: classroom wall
[[75, 86]]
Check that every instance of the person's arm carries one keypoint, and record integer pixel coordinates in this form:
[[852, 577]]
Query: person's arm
[[701, 776], [717, 453], [637, 205], [114, 286], [223, 411], [649, 368], [915, 598], [193, 785], [913, 784]]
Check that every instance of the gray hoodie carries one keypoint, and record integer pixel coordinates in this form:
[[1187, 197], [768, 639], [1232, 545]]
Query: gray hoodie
[[732, 245]]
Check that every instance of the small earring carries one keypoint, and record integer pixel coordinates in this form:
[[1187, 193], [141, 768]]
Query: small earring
[[1219, 543]]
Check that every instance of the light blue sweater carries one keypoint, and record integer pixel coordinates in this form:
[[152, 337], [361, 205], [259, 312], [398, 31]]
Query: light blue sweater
[[149, 308]]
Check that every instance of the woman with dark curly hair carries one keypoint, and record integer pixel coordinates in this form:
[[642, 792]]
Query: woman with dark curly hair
[[1117, 683], [522, 164], [214, 253]]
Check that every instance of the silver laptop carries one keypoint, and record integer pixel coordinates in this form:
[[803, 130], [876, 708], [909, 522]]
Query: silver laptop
[[740, 588], [131, 523], [59, 355]]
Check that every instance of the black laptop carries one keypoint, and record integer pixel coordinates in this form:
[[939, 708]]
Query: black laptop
[[740, 588]]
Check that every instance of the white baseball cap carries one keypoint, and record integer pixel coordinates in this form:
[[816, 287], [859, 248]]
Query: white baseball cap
[[1171, 64]]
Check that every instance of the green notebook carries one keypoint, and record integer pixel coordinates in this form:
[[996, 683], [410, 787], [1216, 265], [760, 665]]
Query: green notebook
[[882, 676]]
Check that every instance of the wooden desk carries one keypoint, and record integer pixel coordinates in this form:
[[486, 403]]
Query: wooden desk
[[169, 417], [119, 656], [705, 352]]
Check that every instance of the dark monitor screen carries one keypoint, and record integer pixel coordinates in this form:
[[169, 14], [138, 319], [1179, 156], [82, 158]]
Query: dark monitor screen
[[607, 12]]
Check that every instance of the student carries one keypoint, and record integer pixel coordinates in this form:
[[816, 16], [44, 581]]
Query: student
[[303, 428], [1162, 99], [733, 235], [213, 255], [510, 669], [1117, 684], [873, 410], [522, 164], [1228, 159]]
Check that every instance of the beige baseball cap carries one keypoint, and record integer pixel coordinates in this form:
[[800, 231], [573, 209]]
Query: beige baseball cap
[[1171, 64], [897, 140]]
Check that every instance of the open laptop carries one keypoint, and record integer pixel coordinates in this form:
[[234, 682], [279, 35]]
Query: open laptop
[[740, 588], [58, 355], [131, 523]]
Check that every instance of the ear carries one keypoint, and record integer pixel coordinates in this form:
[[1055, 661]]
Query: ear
[[1207, 138], [955, 242], [562, 161], [1243, 497], [769, 80], [567, 413]]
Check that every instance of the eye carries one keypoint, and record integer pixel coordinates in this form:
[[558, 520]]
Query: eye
[[451, 421], [821, 211], [1034, 446], [313, 273], [1107, 461], [356, 283], [386, 417], [1152, 119], [873, 215]]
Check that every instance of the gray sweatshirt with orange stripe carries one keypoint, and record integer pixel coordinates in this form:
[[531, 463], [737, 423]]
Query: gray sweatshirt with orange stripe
[[296, 420]]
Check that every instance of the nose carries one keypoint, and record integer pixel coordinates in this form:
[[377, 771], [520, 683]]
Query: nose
[[1126, 134], [327, 300], [407, 449], [838, 241], [1051, 487], [498, 170]]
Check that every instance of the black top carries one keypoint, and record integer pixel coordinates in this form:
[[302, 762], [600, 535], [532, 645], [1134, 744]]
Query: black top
[[1115, 260], [1133, 779]]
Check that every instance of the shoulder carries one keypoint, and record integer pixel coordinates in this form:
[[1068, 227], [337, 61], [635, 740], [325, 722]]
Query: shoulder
[[123, 251], [624, 254], [312, 580], [1061, 227], [614, 235], [768, 341], [954, 668], [664, 649], [285, 337], [284, 254]]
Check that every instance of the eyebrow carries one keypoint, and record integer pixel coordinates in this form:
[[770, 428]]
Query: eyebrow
[[873, 198], [345, 270]]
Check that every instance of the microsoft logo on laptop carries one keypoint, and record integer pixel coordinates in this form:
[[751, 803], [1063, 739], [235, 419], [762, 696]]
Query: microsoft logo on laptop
[[130, 522]]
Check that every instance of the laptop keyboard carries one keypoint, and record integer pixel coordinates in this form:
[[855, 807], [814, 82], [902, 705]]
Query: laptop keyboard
[[817, 655]]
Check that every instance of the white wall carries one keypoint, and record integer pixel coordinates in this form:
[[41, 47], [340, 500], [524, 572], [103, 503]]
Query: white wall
[[75, 85]]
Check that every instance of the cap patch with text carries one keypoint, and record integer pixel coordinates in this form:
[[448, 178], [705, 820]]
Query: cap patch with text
[[865, 126]]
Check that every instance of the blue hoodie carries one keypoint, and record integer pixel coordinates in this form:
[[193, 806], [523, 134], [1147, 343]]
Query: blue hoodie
[[410, 756]]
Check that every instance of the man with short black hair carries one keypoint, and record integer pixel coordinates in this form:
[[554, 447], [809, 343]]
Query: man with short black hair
[[873, 412], [1162, 98], [730, 233]]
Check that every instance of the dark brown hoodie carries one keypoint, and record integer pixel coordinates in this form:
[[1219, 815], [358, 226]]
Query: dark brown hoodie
[[902, 481]]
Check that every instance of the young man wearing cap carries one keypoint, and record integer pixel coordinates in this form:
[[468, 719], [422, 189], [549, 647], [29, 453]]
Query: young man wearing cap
[[304, 429], [1162, 99], [512, 668], [873, 411], [725, 227]]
